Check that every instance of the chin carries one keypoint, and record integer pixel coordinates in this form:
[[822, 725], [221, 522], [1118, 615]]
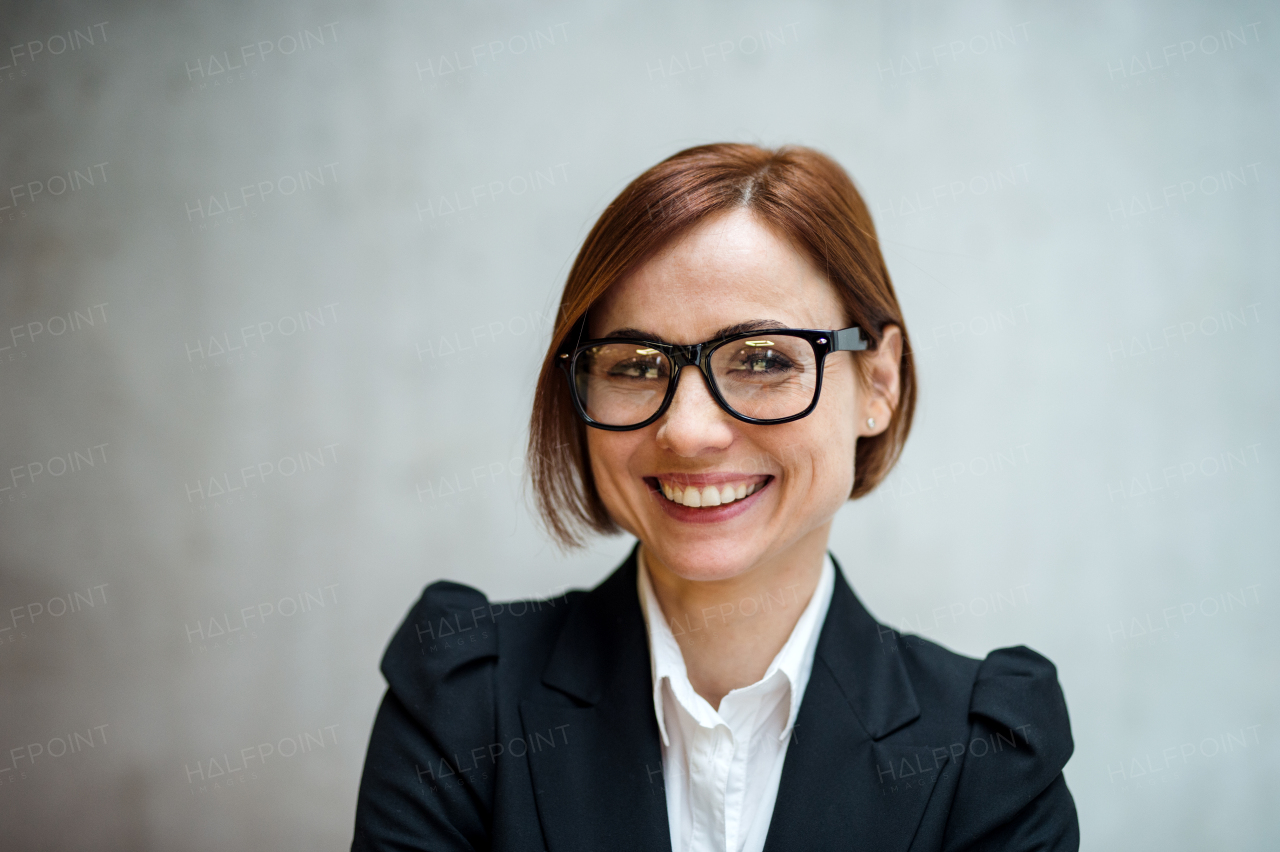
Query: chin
[[706, 560]]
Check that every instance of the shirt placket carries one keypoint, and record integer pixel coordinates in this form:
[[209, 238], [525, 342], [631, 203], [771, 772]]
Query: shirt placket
[[742, 710], [712, 755]]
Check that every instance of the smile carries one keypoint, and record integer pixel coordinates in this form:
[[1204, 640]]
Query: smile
[[696, 495]]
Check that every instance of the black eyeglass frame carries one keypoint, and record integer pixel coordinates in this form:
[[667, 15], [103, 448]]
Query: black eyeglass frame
[[698, 355]]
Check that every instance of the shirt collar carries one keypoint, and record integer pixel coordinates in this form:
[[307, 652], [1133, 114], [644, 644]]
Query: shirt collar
[[794, 660]]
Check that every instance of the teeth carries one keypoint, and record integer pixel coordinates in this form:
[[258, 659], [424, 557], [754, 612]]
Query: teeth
[[708, 496]]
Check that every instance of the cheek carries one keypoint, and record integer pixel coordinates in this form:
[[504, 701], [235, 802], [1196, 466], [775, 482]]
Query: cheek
[[827, 476], [609, 454], [834, 436]]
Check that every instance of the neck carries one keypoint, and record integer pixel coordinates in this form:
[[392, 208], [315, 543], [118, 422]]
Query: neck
[[730, 630]]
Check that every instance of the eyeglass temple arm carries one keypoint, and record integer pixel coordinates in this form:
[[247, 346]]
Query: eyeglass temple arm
[[850, 340]]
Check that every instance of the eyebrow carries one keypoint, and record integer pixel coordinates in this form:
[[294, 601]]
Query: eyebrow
[[736, 328]]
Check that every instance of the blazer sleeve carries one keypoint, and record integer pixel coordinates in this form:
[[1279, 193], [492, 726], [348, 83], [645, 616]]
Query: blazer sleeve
[[428, 781], [1011, 793]]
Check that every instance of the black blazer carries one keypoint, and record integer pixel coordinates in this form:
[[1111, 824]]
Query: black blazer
[[530, 726]]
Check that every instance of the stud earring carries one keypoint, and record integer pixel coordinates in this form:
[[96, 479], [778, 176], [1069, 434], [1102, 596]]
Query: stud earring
[[871, 423]]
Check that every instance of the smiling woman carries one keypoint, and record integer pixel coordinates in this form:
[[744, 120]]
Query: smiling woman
[[728, 368]]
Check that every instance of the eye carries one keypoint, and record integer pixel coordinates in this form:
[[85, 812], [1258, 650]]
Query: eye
[[635, 369], [761, 361]]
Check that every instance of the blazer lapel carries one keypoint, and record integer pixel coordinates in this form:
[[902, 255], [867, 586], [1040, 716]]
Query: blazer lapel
[[600, 786], [841, 787]]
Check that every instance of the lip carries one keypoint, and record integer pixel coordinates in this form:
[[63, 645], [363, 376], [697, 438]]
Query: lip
[[702, 480], [712, 514]]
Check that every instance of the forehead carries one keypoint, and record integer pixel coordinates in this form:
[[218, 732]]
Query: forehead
[[726, 270]]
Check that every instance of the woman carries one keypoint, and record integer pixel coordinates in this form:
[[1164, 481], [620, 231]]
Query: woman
[[730, 366]]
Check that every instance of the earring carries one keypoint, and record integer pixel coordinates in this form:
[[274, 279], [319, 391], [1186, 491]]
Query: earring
[[871, 423]]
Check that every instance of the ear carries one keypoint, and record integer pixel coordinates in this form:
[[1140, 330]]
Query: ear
[[880, 397]]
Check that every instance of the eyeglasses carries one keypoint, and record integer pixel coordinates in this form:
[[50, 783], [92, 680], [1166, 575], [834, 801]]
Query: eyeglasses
[[772, 375]]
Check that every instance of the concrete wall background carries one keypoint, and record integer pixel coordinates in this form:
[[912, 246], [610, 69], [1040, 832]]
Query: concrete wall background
[[1078, 205]]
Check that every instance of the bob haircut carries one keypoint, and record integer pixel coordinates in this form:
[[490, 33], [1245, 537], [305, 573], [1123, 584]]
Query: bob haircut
[[803, 196]]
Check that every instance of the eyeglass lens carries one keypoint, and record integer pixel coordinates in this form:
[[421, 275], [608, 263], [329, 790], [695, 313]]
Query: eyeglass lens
[[768, 377]]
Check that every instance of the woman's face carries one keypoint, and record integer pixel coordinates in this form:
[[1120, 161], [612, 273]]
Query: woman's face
[[731, 269]]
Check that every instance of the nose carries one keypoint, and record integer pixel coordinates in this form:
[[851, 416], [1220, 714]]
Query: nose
[[694, 423]]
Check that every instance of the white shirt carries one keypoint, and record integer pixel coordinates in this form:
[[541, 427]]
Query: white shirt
[[721, 768]]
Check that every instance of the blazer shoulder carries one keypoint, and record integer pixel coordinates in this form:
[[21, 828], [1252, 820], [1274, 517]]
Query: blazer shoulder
[[1018, 689], [425, 774], [1019, 742], [453, 632], [446, 631], [1012, 687]]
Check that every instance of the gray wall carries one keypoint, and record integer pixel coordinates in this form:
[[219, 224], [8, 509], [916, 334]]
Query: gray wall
[[1078, 206]]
